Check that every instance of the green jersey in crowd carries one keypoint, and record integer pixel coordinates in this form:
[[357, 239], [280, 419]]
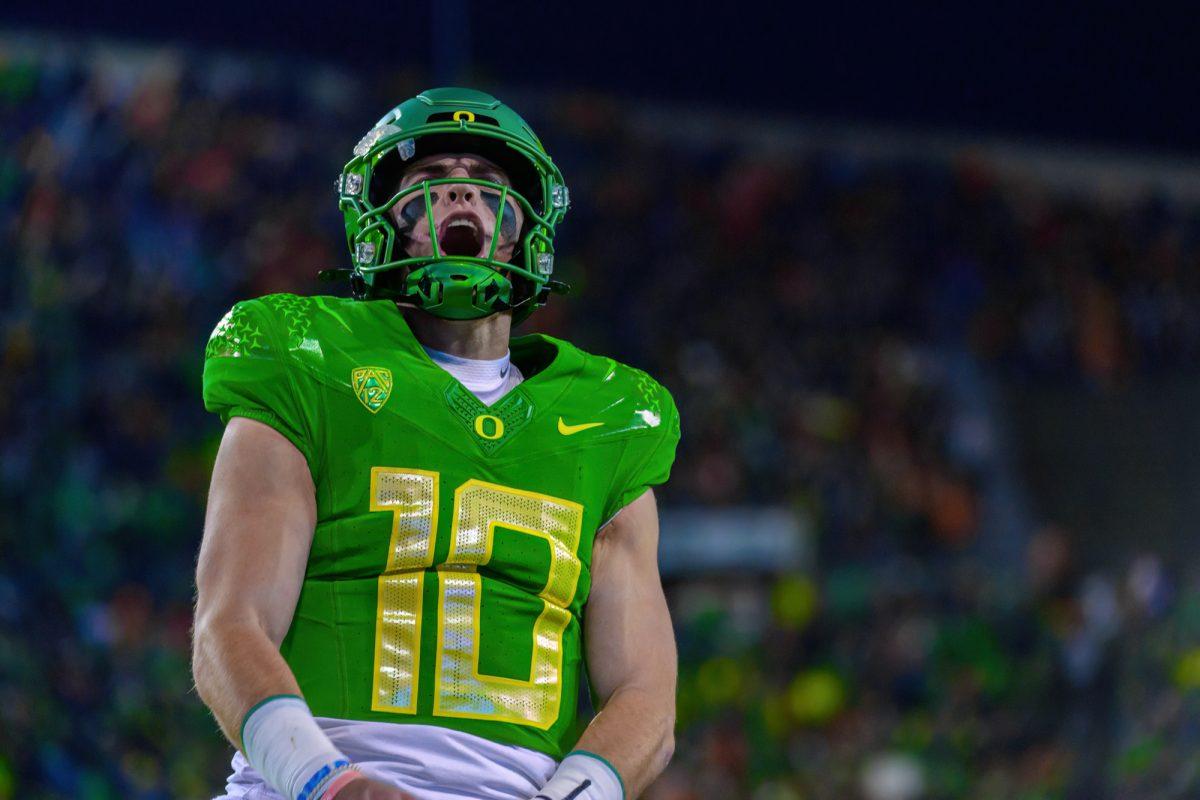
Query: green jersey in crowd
[[450, 566]]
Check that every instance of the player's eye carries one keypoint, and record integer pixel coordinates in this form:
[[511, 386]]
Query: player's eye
[[414, 178]]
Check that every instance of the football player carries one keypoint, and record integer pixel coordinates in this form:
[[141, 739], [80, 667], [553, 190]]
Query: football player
[[419, 530]]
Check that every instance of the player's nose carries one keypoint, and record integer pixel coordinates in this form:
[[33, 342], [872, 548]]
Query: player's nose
[[457, 192]]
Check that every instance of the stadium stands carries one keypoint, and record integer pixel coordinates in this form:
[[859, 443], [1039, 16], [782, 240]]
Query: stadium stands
[[810, 312]]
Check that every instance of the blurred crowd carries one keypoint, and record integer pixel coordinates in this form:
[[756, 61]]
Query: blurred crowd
[[807, 308]]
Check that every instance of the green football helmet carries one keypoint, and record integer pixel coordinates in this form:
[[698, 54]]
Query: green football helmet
[[452, 282]]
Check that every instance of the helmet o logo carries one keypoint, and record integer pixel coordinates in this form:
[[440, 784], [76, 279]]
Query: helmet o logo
[[459, 116], [482, 427]]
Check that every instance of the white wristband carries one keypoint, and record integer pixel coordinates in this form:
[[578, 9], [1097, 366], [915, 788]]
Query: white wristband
[[583, 776], [284, 743]]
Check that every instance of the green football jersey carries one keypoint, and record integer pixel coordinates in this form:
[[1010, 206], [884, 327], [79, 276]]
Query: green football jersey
[[451, 561]]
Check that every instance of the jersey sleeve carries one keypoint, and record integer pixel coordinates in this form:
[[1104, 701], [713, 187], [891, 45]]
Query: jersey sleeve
[[649, 453], [248, 372]]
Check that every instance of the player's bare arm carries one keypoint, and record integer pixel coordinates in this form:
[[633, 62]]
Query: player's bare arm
[[630, 649], [259, 524], [258, 528]]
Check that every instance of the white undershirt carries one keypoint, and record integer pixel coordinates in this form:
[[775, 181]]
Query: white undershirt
[[487, 379]]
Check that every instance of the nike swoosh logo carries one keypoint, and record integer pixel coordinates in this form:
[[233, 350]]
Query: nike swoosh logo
[[567, 430]]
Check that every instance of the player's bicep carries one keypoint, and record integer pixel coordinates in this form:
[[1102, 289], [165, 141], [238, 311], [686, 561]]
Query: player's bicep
[[257, 530], [628, 628]]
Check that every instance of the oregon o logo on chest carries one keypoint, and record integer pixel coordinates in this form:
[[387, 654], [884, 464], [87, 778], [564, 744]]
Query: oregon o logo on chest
[[489, 427]]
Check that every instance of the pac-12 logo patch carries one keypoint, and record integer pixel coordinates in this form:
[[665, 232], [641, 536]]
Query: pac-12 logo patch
[[372, 386]]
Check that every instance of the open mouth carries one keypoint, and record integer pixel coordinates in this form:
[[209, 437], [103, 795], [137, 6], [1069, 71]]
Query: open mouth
[[461, 235]]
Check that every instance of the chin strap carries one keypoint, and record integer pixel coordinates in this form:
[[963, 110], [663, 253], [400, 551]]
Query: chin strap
[[358, 287]]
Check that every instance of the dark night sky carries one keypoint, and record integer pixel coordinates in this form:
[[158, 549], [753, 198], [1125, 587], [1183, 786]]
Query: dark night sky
[[1124, 75]]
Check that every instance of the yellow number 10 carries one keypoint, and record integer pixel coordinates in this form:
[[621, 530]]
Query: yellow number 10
[[461, 690]]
